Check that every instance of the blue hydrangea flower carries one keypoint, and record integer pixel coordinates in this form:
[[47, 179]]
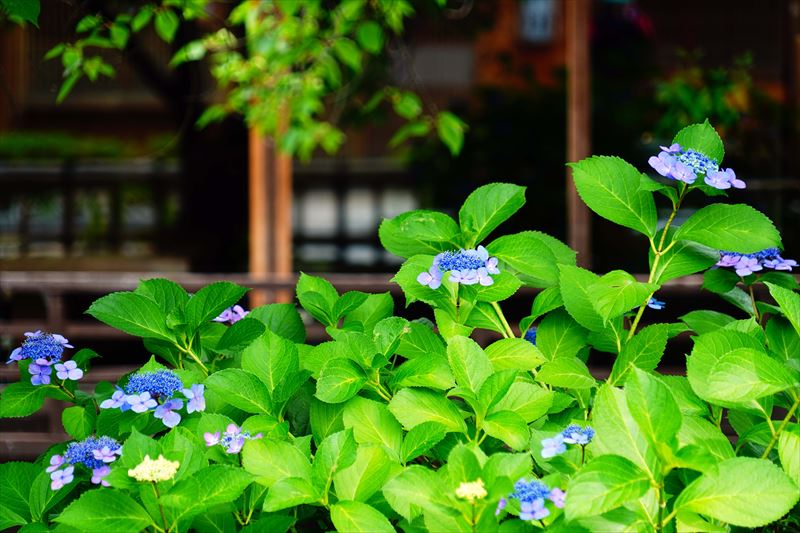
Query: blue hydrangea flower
[[141, 402], [530, 335], [161, 384], [557, 496], [232, 315], [746, 264], [197, 401], [166, 412], [232, 440], [534, 510], [99, 474], [59, 478], [39, 345], [656, 304], [40, 372], [724, 179], [68, 370], [687, 165], [55, 463], [83, 452], [531, 496], [575, 434], [554, 446], [117, 400], [467, 267]]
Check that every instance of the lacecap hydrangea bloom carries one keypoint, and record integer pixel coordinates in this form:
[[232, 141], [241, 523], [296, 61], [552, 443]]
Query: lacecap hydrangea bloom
[[746, 264], [531, 496], [467, 267], [232, 315], [687, 165], [160, 469], [232, 440], [573, 434], [471, 490], [161, 384], [40, 346], [95, 453]]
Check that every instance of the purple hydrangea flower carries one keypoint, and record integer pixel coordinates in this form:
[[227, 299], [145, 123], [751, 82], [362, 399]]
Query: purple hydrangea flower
[[672, 149], [161, 384], [533, 510], [141, 402], [432, 278], [530, 335], [687, 165], [68, 370], [464, 277], [553, 446], [117, 400], [232, 440], [59, 478], [39, 345], [40, 372], [575, 434], [232, 315], [99, 474], [166, 412], [500, 506], [746, 264], [55, 463], [557, 496], [212, 439], [197, 402], [656, 304], [106, 454]]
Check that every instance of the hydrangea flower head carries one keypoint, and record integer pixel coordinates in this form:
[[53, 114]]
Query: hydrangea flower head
[[39, 345], [575, 434], [471, 490], [68, 370], [197, 401], [232, 315], [531, 496], [161, 384], [553, 446], [687, 165], [746, 264], [160, 469], [467, 267], [232, 440], [93, 452]]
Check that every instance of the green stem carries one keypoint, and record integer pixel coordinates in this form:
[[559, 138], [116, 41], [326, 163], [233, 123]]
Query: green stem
[[160, 507], [783, 425], [669, 517], [662, 504], [509, 333], [658, 251], [188, 351], [753, 301]]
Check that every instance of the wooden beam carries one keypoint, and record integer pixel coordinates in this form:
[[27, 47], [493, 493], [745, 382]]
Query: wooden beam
[[577, 20], [258, 212]]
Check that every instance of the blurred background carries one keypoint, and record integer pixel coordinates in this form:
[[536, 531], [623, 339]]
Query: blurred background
[[116, 183]]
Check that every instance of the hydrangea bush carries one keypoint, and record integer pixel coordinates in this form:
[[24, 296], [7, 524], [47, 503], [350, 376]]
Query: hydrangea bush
[[237, 424]]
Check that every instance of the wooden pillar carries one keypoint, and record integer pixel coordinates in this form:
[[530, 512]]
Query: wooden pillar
[[270, 215], [577, 20]]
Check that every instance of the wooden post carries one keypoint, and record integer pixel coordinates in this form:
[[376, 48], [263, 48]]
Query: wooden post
[[577, 19], [258, 215]]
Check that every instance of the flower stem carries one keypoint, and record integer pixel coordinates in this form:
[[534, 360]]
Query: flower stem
[[753, 301], [160, 507], [783, 425], [509, 333], [188, 351], [662, 504]]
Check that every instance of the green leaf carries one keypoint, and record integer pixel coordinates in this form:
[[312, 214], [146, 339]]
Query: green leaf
[[282, 319], [612, 188], [271, 460], [741, 491], [488, 207], [370, 36], [418, 128], [359, 517], [505, 285], [415, 489], [362, 479], [451, 131], [744, 374], [272, 359], [132, 313], [789, 303], [419, 232], [653, 407], [420, 439], [469, 363], [317, 296], [325, 419], [16, 479], [166, 24], [605, 483], [42, 496], [508, 427], [105, 510], [496, 387], [167, 294], [213, 485], [78, 421], [336, 452], [567, 372], [211, 300], [643, 351], [408, 105], [484, 316], [617, 433], [339, 380], [706, 321], [21, 399], [431, 371], [348, 53], [529, 400], [701, 138], [546, 301], [732, 227], [406, 277], [789, 452], [239, 336], [558, 335], [415, 406], [618, 292], [241, 389], [375, 308], [574, 283], [372, 423], [514, 354], [289, 492], [683, 259], [421, 340], [528, 256], [142, 18], [719, 280], [27, 10]]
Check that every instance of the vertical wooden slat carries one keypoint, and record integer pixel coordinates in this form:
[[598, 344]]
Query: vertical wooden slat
[[258, 211], [282, 263], [577, 20]]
